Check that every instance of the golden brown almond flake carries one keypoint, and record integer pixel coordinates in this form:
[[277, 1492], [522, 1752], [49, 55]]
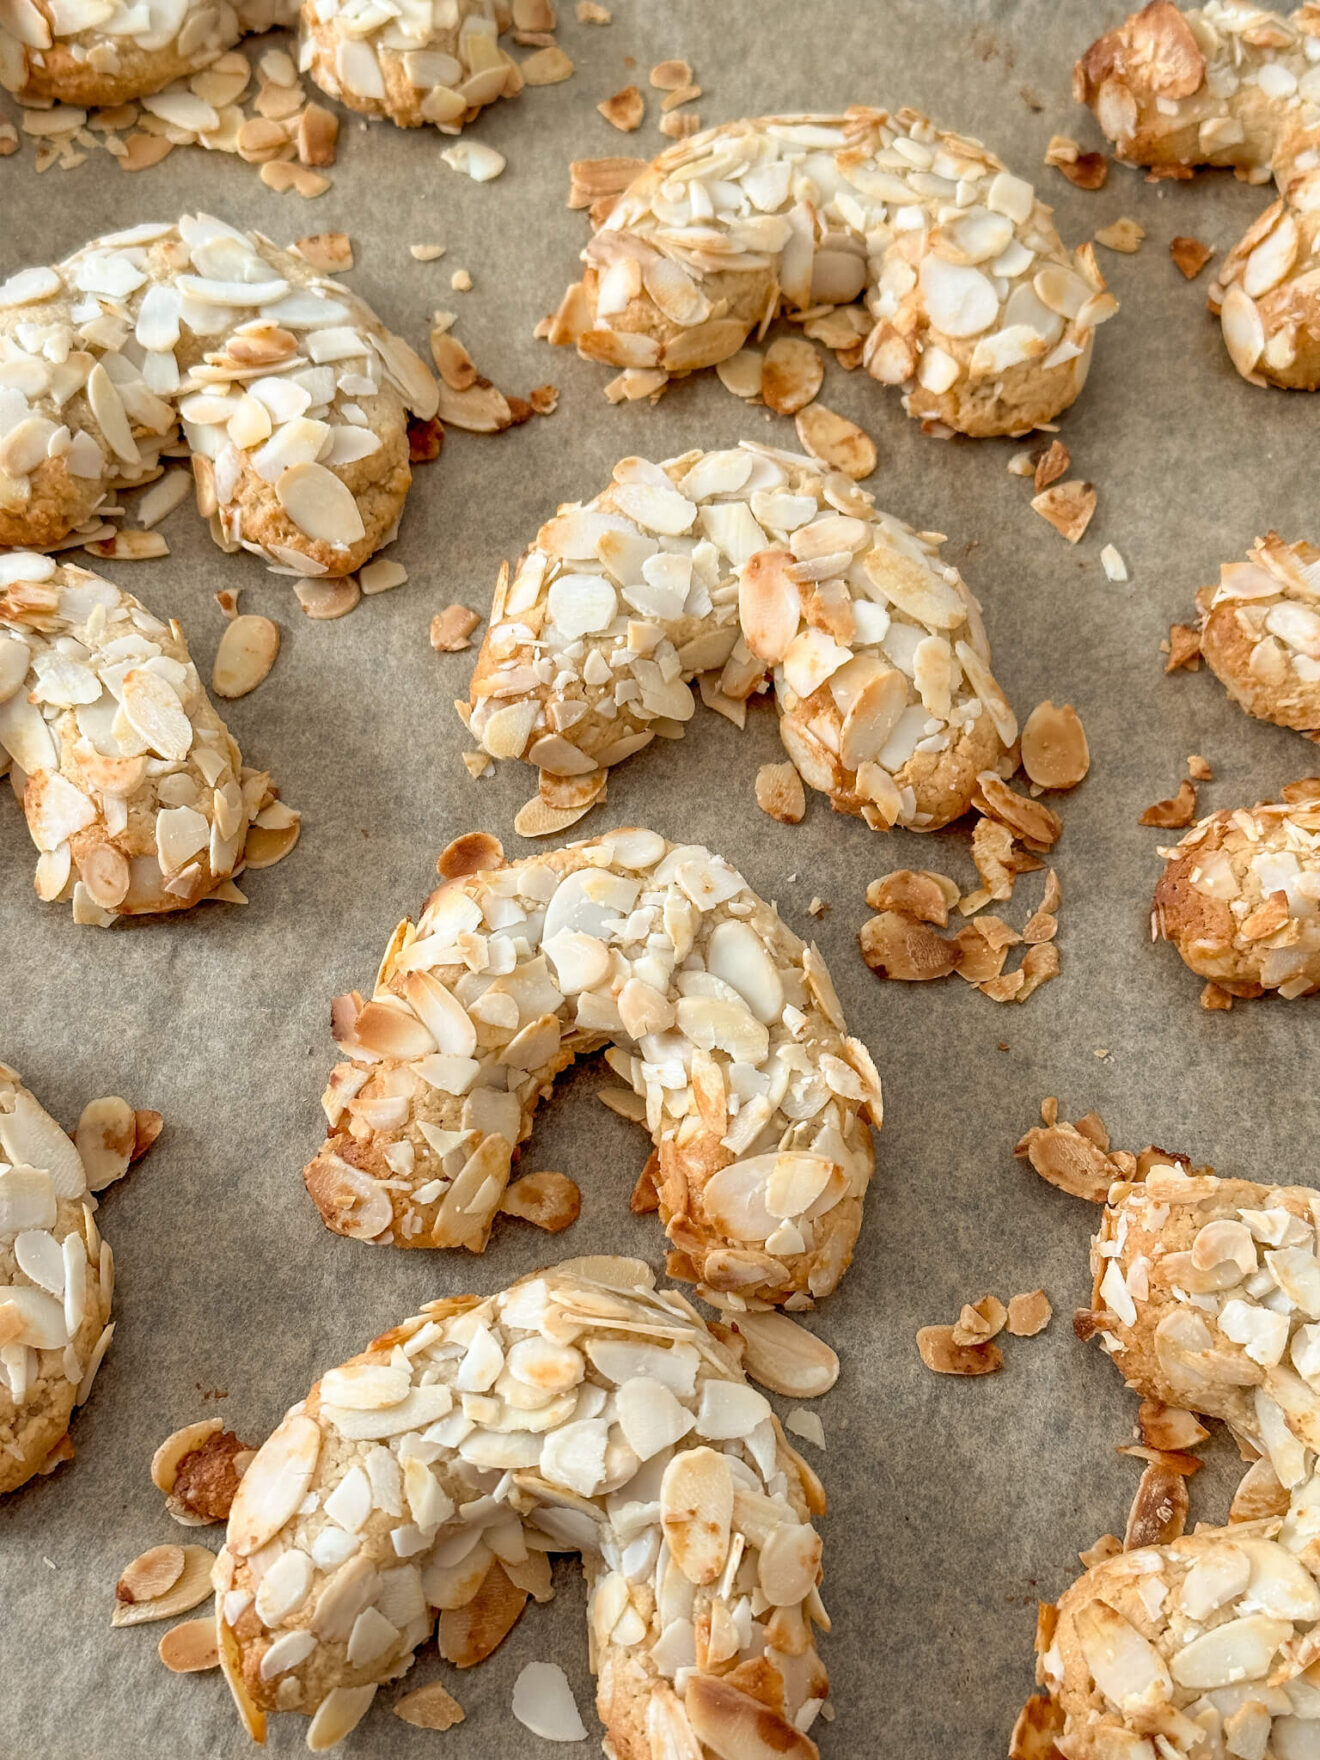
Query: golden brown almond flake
[[670, 76], [1259, 1495], [467, 1635], [1183, 647], [1068, 507], [1086, 170], [1039, 965], [1124, 235], [1189, 255], [472, 853], [1052, 464], [451, 628], [895, 946], [1107, 1546], [331, 251], [190, 1648], [432, 1706], [833, 440], [1041, 926], [681, 95], [940, 1354], [544, 399], [625, 110], [1028, 820], [979, 961], [680, 125], [1199, 768], [150, 1574], [593, 180], [1039, 1723], [572, 791], [779, 792], [792, 372], [425, 440], [1267, 919], [536, 818], [1055, 753], [980, 1321], [141, 151], [1169, 1427], [1159, 1509], [1176, 812], [549, 1200], [591, 12], [8, 139], [914, 892], [478, 763], [1066, 1158], [1007, 987], [1028, 1314], [547, 67]]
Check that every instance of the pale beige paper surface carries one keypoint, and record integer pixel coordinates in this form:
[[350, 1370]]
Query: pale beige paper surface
[[953, 1505]]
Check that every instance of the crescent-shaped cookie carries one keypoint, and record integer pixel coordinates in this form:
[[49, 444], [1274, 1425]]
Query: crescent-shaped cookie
[[1195, 1648], [1206, 1296], [579, 1410], [56, 1278], [1231, 85], [1240, 898], [746, 565], [722, 1022], [978, 309], [427, 61], [134, 789], [292, 396], [1260, 632]]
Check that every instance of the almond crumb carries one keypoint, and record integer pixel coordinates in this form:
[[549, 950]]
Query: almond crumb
[[451, 628], [1199, 769], [1184, 648], [625, 110], [1123, 235], [1190, 255], [1216, 999], [1173, 814]]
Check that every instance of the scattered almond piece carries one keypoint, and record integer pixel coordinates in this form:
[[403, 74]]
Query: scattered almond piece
[[245, 656], [425, 440], [1259, 1494], [625, 110], [382, 575], [1189, 255], [1055, 753], [1039, 1724], [590, 12], [1199, 769], [779, 792], [1022, 464], [980, 1321], [741, 373], [792, 372], [1028, 1314], [806, 1424], [1184, 647], [941, 1354], [451, 628], [461, 281], [190, 1648], [550, 1200], [572, 791], [1052, 464], [1306, 788], [472, 853], [1068, 1158], [896, 946], [325, 600], [536, 818], [680, 124], [914, 892], [431, 1706], [190, 1585], [817, 908], [680, 95], [1159, 1509], [330, 251], [1068, 507], [426, 253], [1123, 235], [669, 76], [1039, 965], [1173, 814], [1169, 1427], [150, 1574], [1107, 1546], [478, 763], [1029, 820], [1086, 170], [548, 67], [1113, 564], [833, 440]]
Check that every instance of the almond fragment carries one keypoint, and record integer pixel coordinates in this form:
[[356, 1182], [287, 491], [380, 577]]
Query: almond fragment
[[451, 628], [544, 399], [190, 1648], [1306, 788], [1039, 1723], [452, 360], [1029, 820], [1267, 918], [1061, 1154], [592, 12], [1068, 507], [1169, 1427], [316, 133], [548, 67], [834, 441], [245, 656], [425, 440], [1039, 965], [467, 1635], [190, 1586], [1199, 768], [914, 892], [792, 372], [1051, 465], [150, 1574], [550, 1200], [204, 1479], [1159, 1509], [472, 853], [1175, 813], [625, 110], [1107, 1546], [779, 792], [1184, 647], [1086, 170], [940, 1353], [980, 1321], [324, 600], [430, 1707], [331, 251], [784, 1356], [981, 959], [669, 76], [896, 946], [679, 125], [1259, 1494], [537, 818], [1028, 1314], [1189, 255], [1123, 235], [1054, 749]]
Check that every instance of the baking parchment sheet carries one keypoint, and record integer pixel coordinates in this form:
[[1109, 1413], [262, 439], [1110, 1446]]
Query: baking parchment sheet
[[953, 1504]]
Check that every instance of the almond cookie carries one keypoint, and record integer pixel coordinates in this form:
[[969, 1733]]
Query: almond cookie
[[1206, 1293], [291, 394], [429, 61], [1196, 1648], [725, 1026], [978, 310], [1260, 632], [1231, 85], [56, 1277], [579, 1410], [1240, 898], [135, 791], [746, 565]]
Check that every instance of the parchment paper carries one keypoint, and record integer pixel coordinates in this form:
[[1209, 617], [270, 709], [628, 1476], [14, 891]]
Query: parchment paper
[[953, 1505]]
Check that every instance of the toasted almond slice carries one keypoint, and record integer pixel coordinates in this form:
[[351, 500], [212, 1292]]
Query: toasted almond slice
[[792, 372], [1028, 1314], [769, 603], [550, 1200], [451, 628], [895, 946], [472, 853], [245, 655], [467, 1635], [330, 251], [1189, 255], [1169, 1427], [190, 1648], [835, 441], [1124, 234], [1174, 813], [980, 1321], [266, 845], [536, 819], [779, 793], [1039, 1723], [696, 1509], [1054, 749], [1051, 465], [669, 76], [106, 1139], [188, 1589], [150, 1574], [1159, 1509], [1068, 507], [914, 892], [324, 600], [624, 110], [940, 1353], [431, 1706], [1030, 820]]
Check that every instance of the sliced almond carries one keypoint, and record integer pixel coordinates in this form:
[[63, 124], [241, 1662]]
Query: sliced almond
[[1174, 813], [188, 1589], [536, 818], [1054, 749], [1068, 507], [190, 1648], [430, 1707], [784, 1356], [625, 110], [106, 1139], [696, 1509], [1051, 465], [835, 441], [941, 1354], [914, 892], [1028, 1314], [1189, 255], [467, 1635], [245, 655], [1184, 647], [324, 600], [792, 372], [472, 853], [779, 793], [451, 628], [895, 946], [150, 1574], [549, 1200], [1159, 1509]]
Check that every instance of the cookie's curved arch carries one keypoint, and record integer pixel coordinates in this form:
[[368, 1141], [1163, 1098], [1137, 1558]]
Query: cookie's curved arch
[[722, 1022], [292, 395], [1237, 86], [135, 791], [610, 1422], [742, 565], [433, 61], [975, 305]]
